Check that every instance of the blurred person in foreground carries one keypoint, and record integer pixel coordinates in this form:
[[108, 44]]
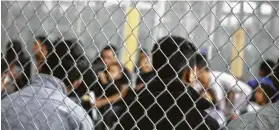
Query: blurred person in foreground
[[169, 103], [20, 66], [265, 118], [44, 103], [222, 84]]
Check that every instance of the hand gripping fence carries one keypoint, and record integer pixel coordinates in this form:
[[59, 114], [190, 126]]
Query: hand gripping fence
[[90, 64]]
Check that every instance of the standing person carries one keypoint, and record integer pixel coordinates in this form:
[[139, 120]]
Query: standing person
[[20, 66], [222, 84], [42, 47], [44, 103], [266, 118], [167, 102]]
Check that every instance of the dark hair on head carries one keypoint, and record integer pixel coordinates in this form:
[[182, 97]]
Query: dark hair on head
[[275, 78], [109, 47], [266, 67], [4, 64], [202, 61], [173, 54], [45, 41], [269, 92], [67, 63], [14, 50]]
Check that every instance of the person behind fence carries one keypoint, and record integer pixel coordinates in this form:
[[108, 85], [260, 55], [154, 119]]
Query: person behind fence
[[263, 96], [4, 73], [146, 70], [264, 78], [222, 84], [42, 47], [112, 90], [168, 103], [20, 66], [266, 118], [44, 103], [214, 111]]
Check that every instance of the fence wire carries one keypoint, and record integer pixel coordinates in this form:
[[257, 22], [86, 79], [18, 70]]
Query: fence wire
[[139, 65]]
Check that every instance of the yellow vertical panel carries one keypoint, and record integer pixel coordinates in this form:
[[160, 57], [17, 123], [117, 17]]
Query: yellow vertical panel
[[239, 43], [131, 36]]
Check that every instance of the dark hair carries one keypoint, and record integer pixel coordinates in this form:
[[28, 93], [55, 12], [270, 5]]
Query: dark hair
[[275, 78], [171, 55], [269, 92], [67, 63], [45, 41], [266, 67], [202, 61], [14, 50], [109, 47], [4, 64]]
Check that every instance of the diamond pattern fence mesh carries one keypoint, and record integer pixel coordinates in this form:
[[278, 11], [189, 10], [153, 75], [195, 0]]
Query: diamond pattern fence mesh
[[139, 64]]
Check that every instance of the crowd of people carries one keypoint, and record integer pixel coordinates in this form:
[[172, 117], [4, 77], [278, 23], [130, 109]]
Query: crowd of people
[[60, 88]]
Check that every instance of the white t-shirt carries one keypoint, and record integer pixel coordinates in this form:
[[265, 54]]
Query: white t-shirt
[[221, 83]]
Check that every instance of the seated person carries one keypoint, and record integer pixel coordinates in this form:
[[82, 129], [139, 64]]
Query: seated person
[[214, 111], [263, 96], [146, 71], [112, 88]]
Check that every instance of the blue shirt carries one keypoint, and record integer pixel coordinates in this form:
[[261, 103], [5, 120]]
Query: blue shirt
[[262, 80], [43, 105]]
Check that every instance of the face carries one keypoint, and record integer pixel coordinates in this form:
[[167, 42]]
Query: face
[[189, 75], [40, 50], [260, 97], [114, 71], [145, 65], [108, 57]]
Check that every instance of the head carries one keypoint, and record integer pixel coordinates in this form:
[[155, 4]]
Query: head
[[264, 94], [145, 62], [14, 52], [64, 63], [108, 55], [202, 68], [275, 78], [42, 47], [114, 71], [174, 56], [266, 68]]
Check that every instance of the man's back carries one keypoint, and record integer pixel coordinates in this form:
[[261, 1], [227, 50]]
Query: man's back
[[168, 107], [43, 105]]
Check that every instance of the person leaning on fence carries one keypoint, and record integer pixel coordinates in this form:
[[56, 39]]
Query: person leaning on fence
[[44, 103], [167, 102], [266, 118]]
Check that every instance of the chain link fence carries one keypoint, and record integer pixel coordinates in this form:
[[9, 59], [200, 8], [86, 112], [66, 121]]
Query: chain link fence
[[106, 59]]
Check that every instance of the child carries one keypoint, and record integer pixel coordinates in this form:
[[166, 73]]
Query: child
[[263, 96]]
